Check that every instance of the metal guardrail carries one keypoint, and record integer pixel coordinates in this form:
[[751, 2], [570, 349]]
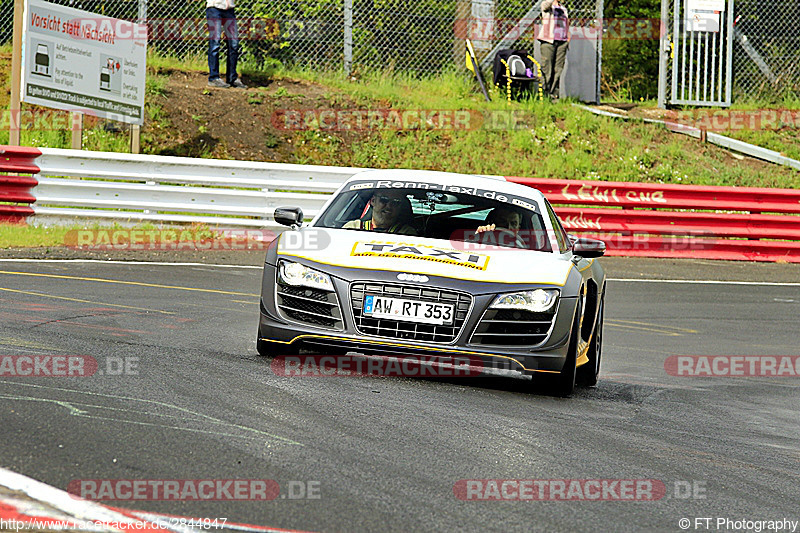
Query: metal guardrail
[[129, 187], [666, 196], [665, 220], [635, 219], [15, 190]]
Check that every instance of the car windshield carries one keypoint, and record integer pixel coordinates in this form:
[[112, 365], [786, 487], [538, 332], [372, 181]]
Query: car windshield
[[431, 210]]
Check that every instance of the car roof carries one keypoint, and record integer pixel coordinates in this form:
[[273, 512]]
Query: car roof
[[494, 183]]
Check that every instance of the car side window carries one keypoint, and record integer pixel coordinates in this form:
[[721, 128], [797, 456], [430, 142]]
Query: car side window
[[558, 229], [344, 209]]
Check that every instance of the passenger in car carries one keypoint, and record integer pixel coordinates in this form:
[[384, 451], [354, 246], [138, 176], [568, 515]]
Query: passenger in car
[[501, 218], [391, 213], [504, 219]]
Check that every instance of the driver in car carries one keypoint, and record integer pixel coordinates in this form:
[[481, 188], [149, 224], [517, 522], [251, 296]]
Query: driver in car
[[391, 212]]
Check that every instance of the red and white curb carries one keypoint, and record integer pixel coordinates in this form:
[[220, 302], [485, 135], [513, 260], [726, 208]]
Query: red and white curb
[[31, 504]]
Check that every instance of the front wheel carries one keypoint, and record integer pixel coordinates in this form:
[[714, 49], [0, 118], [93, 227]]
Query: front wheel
[[564, 383], [588, 373]]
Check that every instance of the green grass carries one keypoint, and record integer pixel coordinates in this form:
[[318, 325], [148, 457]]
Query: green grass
[[784, 137], [156, 85], [94, 137], [528, 138], [157, 62], [548, 141], [23, 236], [19, 236]]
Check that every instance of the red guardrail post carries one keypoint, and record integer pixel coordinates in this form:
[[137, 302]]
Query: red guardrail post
[[668, 220], [14, 189], [664, 196]]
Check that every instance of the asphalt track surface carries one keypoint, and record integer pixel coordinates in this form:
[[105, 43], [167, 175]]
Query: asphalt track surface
[[387, 452]]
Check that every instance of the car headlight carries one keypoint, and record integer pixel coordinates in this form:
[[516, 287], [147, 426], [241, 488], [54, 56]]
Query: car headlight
[[537, 301], [303, 276]]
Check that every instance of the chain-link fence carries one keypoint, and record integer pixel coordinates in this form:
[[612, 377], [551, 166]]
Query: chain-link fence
[[422, 36], [425, 36], [766, 53]]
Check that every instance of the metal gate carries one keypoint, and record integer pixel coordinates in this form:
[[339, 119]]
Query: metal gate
[[696, 52]]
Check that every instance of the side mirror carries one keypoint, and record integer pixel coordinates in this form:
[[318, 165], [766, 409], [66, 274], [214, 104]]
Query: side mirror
[[586, 247], [288, 216]]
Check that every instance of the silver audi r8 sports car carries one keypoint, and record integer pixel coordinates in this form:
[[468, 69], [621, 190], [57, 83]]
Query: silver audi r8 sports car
[[408, 262]]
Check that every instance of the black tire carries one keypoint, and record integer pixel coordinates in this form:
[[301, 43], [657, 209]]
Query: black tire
[[587, 373], [563, 384]]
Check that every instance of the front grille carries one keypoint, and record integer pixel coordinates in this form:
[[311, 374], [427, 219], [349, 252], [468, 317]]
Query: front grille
[[507, 327], [310, 306], [384, 327]]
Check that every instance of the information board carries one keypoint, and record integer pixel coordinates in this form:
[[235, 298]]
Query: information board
[[80, 61]]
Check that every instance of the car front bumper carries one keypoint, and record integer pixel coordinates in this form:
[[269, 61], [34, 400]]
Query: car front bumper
[[547, 357]]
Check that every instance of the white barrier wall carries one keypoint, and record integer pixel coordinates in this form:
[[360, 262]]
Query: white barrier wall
[[137, 188]]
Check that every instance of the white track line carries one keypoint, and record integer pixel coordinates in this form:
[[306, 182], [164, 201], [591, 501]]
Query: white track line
[[706, 282], [213, 265], [103, 261], [61, 500], [77, 509]]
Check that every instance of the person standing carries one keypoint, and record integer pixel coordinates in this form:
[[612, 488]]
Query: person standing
[[220, 16], [553, 37]]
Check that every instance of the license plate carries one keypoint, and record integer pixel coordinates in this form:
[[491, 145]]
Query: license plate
[[408, 310]]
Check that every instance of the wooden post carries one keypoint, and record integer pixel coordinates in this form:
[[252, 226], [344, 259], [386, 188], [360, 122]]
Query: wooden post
[[16, 73], [76, 119], [135, 131]]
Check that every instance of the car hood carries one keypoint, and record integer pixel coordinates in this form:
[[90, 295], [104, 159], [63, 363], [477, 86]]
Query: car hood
[[418, 255]]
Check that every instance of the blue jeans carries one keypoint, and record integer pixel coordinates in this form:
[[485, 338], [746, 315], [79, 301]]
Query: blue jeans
[[217, 21]]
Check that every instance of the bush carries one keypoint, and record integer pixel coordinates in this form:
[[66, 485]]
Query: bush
[[630, 66]]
